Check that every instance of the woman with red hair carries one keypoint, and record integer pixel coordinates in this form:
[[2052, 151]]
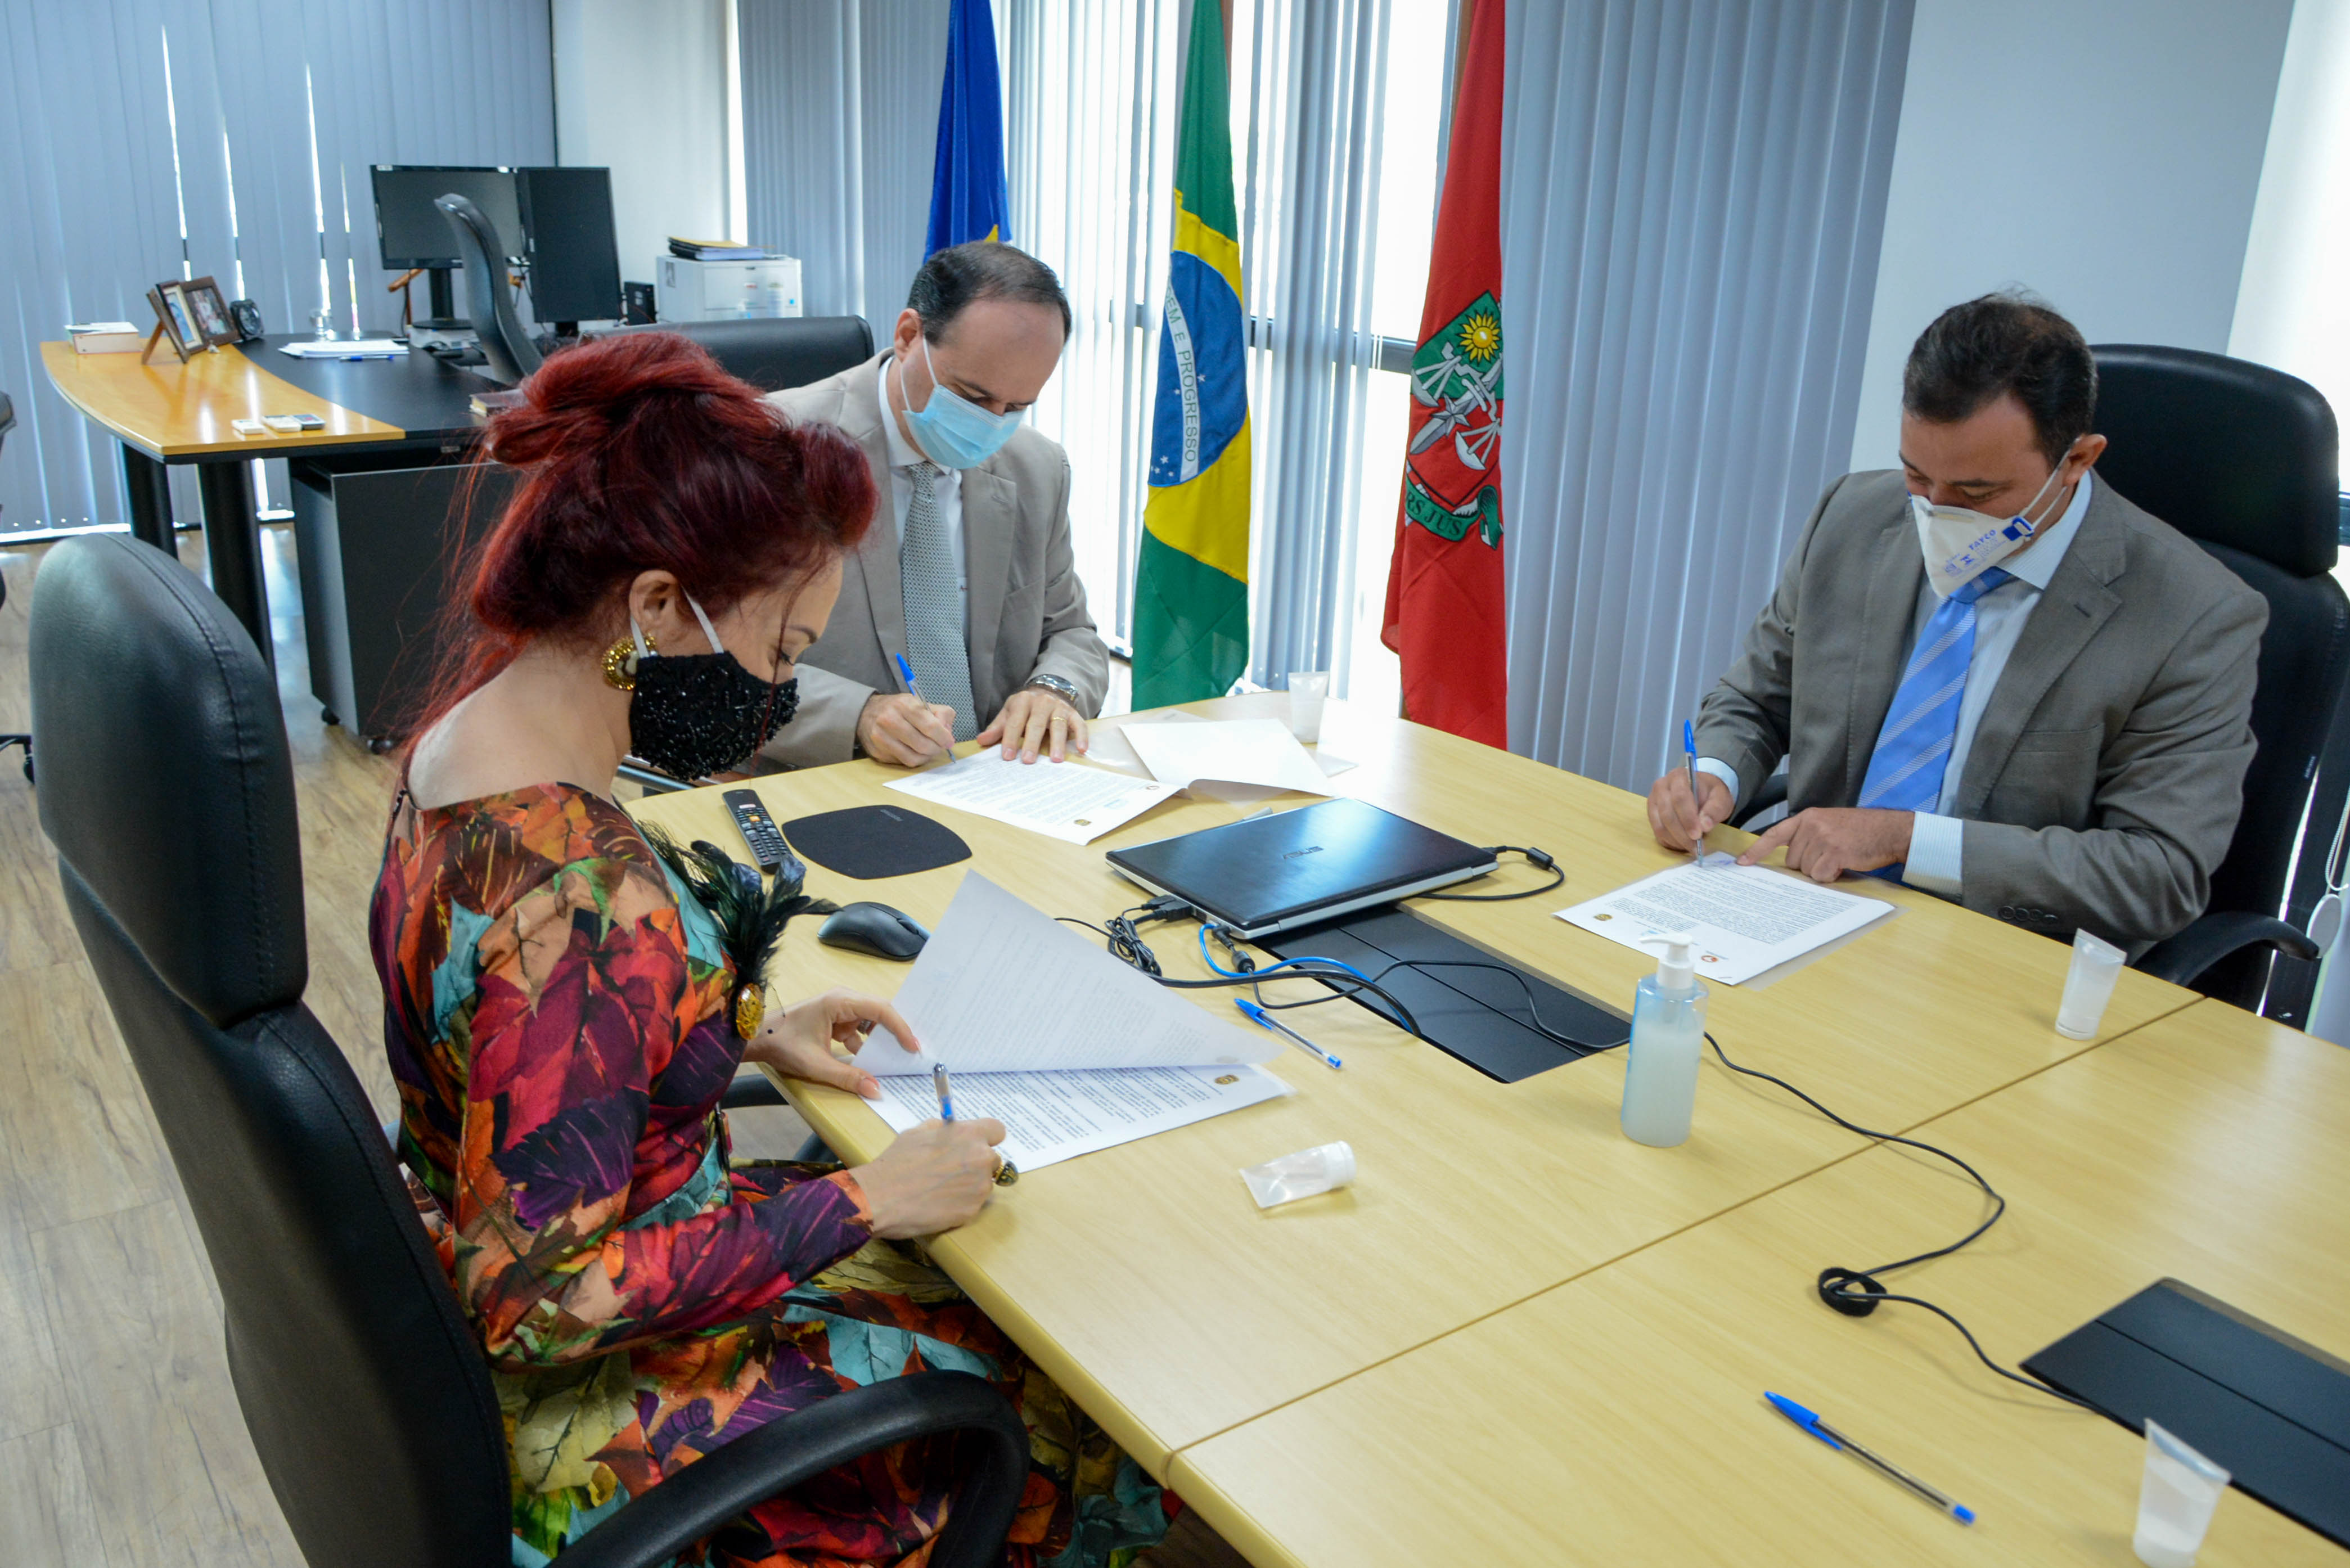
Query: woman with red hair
[[563, 1013]]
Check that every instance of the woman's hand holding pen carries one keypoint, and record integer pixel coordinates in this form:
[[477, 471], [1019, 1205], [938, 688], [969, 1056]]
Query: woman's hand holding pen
[[936, 1177], [798, 1044]]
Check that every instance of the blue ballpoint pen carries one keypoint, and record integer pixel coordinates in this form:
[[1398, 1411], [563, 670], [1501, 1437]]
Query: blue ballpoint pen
[[1836, 1439], [1689, 761], [1006, 1173], [1261, 1016], [905, 674]]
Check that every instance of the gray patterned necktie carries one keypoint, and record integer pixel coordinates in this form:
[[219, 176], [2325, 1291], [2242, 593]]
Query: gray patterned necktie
[[926, 576]]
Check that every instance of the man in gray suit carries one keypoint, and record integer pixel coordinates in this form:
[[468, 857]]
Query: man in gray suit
[[968, 569], [1987, 671]]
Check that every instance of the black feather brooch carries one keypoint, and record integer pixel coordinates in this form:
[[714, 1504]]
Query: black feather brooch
[[751, 913]]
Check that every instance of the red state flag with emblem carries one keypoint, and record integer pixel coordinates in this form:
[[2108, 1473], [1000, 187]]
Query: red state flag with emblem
[[1444, 612]]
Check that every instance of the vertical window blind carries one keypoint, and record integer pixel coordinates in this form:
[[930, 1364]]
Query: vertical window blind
[[158, 139], [1693, 204], [840, 114]]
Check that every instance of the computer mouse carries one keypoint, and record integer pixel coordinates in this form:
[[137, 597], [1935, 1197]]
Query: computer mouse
[[875, 929]]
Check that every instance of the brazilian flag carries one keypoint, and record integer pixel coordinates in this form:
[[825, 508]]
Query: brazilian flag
[[1190, 598], [967, 193]]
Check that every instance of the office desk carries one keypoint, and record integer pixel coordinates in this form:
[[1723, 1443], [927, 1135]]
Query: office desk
[[162, 412], [1144, 1278], [1619, 1419]]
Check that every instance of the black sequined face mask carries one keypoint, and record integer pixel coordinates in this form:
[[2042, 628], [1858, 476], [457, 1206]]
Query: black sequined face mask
[[693, 714]]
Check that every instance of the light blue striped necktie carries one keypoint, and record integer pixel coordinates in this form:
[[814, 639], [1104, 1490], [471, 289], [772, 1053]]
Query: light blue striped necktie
[[1913, 749]]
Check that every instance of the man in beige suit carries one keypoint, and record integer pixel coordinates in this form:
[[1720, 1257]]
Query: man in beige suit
[[1989, 672], [968, 571]]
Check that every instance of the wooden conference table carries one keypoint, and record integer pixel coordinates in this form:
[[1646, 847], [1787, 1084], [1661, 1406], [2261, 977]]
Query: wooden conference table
[[1190, 1324], [163, 413]]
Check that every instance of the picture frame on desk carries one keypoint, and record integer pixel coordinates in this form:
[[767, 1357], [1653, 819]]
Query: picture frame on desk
[[210, 312], [173, 323]]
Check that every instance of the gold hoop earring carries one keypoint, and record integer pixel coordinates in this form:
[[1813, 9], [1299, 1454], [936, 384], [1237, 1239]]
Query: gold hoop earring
[[620, 663]]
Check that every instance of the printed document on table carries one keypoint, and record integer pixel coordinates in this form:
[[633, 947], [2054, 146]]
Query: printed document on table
[[1002, 987], [1226, 750], [346, 349], [1746, 919], [1067, 801], [1052, 1117]]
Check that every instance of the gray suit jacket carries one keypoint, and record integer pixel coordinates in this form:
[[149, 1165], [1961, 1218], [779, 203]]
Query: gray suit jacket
[[2105, 777], [1027, 614]]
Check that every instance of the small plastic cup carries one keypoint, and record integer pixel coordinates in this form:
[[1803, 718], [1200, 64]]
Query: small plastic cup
[[1306, 1174], [2088, 986], [2174, 1502], [1306, 691]]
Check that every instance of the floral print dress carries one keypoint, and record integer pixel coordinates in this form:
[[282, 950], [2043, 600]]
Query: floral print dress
[[555, 1019]]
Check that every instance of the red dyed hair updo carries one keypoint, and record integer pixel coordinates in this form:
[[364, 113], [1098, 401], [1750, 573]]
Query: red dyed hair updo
[[638, 454]]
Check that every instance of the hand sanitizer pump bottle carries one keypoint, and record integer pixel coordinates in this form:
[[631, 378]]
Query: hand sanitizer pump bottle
[[1668, 1037]]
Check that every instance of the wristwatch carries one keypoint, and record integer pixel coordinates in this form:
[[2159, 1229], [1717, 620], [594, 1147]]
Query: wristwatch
[[1066, 691]]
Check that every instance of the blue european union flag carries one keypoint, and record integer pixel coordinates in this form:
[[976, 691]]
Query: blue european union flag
[[967, 199]]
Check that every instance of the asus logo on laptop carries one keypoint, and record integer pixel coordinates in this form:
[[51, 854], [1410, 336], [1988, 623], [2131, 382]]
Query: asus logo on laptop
[[1309, 849]]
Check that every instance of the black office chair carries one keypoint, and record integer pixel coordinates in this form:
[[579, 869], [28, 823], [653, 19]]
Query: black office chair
[[367, 1399], [776, 352], [489, 298], [2244, 459], [8, 738]]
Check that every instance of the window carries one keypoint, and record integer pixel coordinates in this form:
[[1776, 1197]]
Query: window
[[1092, 94]]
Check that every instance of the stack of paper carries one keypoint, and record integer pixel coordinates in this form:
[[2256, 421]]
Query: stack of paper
[[1225, 751], [1101, 1056]]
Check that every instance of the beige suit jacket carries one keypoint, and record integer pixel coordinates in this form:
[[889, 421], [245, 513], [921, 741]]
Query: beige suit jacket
[[1027, 609], [2105, 777]]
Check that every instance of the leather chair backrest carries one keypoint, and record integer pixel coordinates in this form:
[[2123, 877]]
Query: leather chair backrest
[[168, 792], [2244, 460], [2304, 652], [773, 353], [2224, 451], [489, 301]]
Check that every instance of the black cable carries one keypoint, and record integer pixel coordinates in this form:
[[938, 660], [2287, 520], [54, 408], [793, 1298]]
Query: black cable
[[1533, 857], [1126, 945], [1534, 1007], [1855, 1292]]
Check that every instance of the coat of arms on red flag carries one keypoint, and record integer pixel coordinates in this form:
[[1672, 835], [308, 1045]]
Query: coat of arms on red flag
[[1449, 477]]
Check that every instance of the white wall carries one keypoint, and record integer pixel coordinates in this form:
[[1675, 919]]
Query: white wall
[[642, 89], [2103, 153], [2293, 312]]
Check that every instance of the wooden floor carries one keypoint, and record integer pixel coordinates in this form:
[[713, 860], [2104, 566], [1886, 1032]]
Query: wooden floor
[[120, 1443]]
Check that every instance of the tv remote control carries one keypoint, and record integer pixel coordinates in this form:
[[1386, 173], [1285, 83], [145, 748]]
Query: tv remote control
[[758, 829]]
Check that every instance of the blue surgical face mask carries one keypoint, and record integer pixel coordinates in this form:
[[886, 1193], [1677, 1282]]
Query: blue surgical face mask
[[952, 430]]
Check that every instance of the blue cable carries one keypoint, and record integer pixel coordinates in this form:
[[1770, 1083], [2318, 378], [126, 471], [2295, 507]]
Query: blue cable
[[1208, 958]]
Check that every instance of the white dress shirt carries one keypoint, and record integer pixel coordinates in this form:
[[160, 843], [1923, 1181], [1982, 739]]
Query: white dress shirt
[[1936, 839], [946, 488]]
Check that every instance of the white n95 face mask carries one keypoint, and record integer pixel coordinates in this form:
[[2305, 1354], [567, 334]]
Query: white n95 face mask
[[1961, 544]]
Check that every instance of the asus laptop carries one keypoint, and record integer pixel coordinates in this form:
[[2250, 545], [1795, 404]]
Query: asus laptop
[[1270, 873]]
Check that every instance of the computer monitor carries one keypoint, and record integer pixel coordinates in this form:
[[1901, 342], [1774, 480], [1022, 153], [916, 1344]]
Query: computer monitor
[[574, 261], [412, 231]]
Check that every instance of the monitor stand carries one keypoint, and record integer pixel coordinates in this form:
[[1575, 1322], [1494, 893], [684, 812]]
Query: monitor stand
[[442, 300]]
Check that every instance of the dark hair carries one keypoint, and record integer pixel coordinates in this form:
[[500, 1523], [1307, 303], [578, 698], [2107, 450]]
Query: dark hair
[[637, 454], [982, 269], [2004, 342]]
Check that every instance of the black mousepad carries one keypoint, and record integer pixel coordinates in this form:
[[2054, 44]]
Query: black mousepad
[[869, 842], [2273, 1411]]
